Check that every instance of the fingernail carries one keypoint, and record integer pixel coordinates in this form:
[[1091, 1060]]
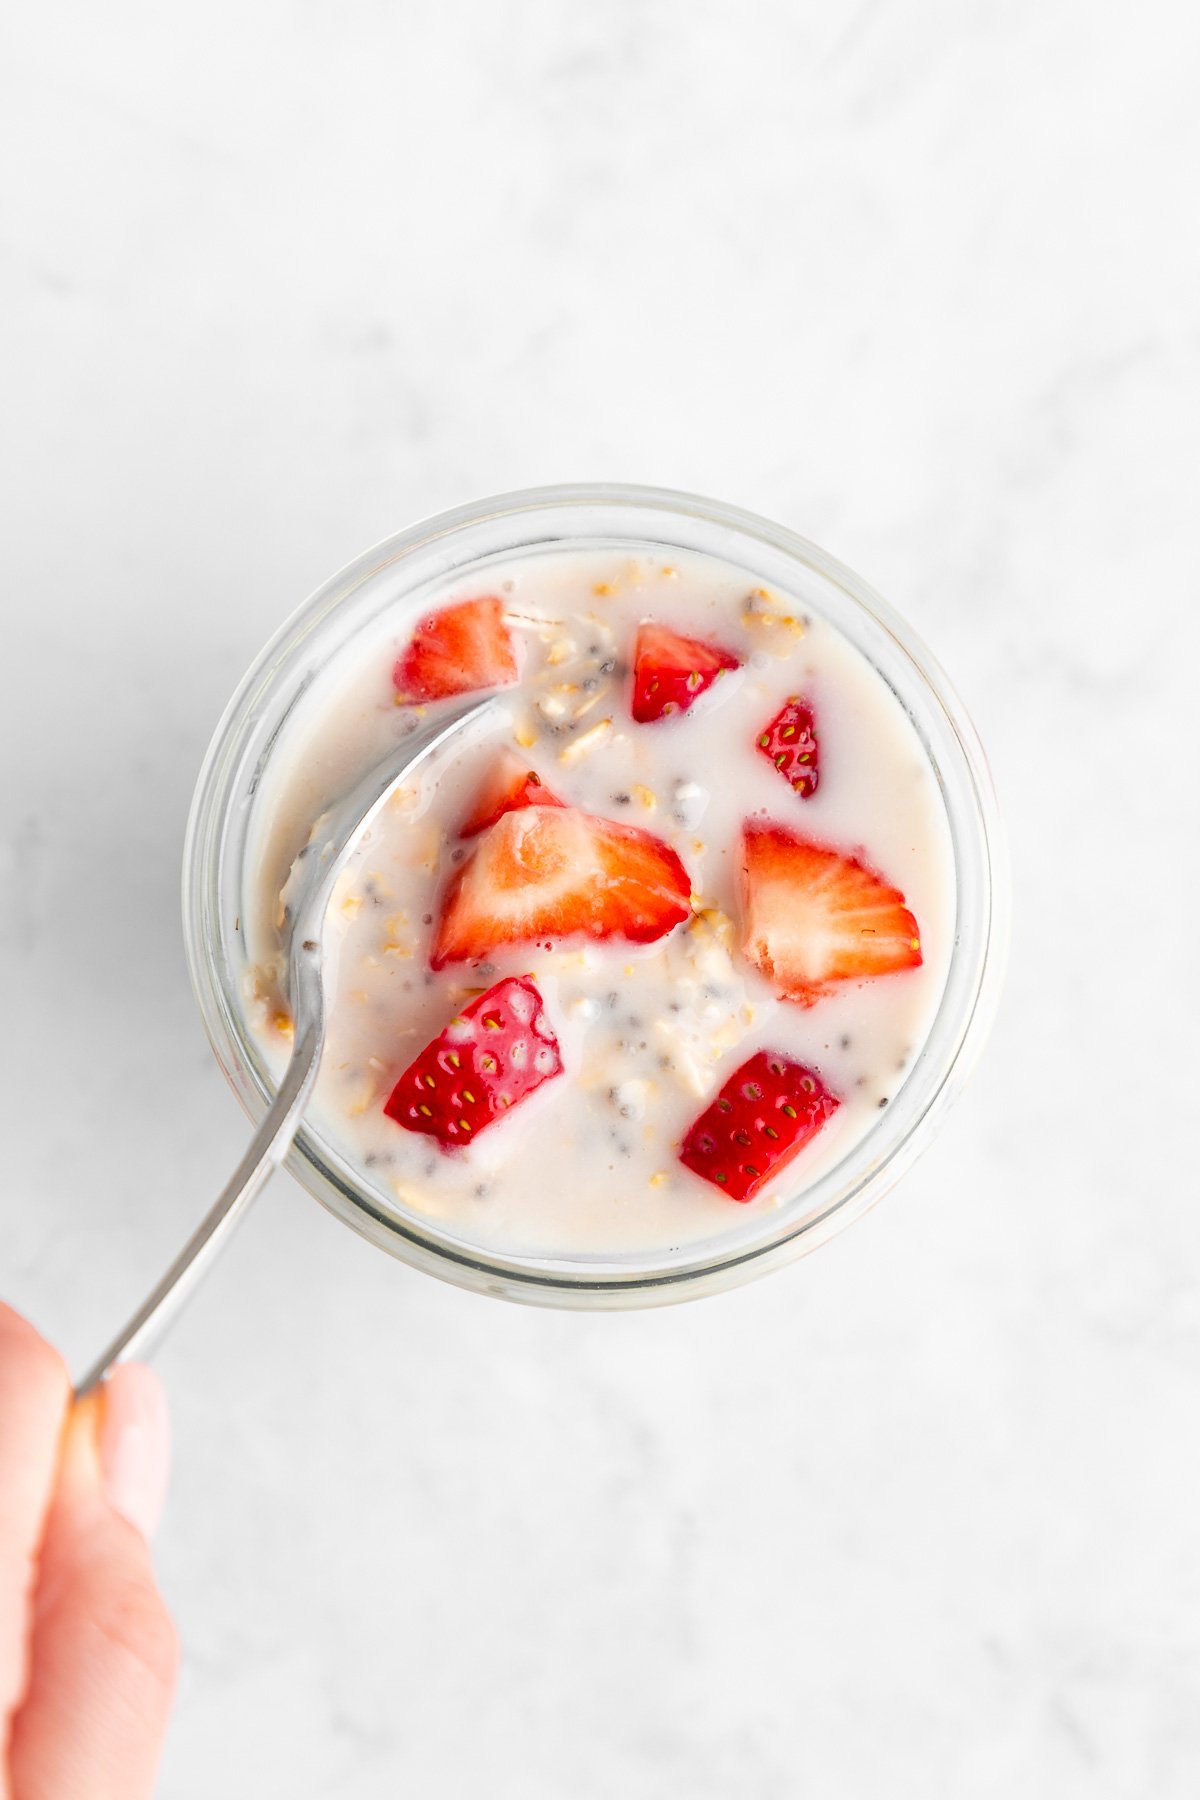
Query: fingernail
[[135, 1445]]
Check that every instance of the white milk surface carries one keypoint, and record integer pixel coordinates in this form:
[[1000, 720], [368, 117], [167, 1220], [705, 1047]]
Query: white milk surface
[[588, 1165]]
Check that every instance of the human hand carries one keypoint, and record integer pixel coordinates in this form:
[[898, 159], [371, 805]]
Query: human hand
[[87, 1647]]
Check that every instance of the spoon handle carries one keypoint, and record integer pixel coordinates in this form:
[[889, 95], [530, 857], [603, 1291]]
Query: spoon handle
[[269, 1146]]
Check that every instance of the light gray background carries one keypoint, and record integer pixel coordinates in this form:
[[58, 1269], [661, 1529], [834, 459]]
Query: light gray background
[[919, 1515]]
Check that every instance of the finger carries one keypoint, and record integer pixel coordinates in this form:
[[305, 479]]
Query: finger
[[104, 1649], [34, 1393]]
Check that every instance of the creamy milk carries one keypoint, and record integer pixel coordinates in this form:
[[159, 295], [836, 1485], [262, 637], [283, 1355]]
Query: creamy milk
[[588, 1164]]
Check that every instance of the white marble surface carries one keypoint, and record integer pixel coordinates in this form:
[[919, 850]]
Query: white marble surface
[[920, 1514]]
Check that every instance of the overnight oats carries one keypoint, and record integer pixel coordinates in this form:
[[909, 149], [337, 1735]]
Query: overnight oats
[[663, 966], [656, 940]]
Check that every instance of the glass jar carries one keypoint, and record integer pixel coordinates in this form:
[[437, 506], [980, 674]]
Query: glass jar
[[393, 578]]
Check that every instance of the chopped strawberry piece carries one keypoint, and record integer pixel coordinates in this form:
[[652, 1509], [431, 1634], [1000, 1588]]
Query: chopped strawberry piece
[[510, 785], [670, 672], [761, 1118], [546, 873], [813, 917], [486, 1061], [457, 650], [790, 742]]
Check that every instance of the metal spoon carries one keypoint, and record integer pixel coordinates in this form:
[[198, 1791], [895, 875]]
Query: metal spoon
[[313, 878]]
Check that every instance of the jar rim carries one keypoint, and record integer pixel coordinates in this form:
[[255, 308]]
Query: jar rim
[[250, 726]]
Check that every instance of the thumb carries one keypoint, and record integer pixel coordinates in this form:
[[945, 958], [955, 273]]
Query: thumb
[[104, 1652]]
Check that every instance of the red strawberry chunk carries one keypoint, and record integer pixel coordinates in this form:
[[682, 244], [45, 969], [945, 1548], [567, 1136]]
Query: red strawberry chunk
[[813, 917], [758, 1122], [546, 873], [790, 742], [510, 785], [458, 650], [670, 672], [491, 1057]]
